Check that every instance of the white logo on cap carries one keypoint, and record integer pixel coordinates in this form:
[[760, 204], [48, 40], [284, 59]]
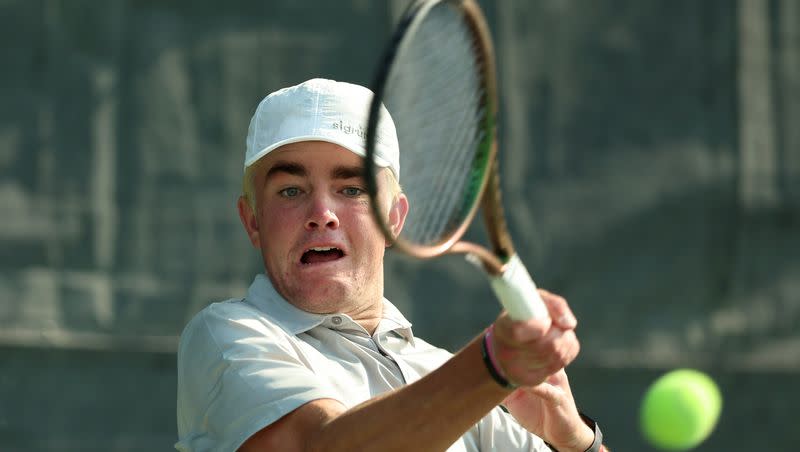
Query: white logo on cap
[[350, 129]]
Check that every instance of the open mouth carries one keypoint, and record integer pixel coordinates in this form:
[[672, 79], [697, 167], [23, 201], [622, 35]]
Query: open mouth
[[321, 254]]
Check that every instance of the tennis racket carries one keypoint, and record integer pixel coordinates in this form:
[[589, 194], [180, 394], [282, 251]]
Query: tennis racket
[[437, 80]]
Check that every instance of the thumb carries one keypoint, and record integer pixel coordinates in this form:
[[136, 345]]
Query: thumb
[[548, 392]]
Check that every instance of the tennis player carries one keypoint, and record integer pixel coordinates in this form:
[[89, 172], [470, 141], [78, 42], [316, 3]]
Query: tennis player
[[314, 358]]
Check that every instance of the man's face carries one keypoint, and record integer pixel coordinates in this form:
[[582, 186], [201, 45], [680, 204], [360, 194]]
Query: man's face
[[314, 227]]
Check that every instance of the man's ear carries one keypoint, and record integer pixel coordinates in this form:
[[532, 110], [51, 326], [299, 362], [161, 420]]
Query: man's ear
[[397, 215], [249, 221]]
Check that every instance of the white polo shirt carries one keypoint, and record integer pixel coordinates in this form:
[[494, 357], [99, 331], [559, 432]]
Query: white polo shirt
[[245, 363]]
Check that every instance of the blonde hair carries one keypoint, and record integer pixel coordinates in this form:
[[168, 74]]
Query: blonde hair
[[394, 185], [249, 187]]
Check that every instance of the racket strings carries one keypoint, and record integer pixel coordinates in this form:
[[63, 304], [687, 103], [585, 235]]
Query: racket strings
[[435, 95], [443, 211], [449, 97]]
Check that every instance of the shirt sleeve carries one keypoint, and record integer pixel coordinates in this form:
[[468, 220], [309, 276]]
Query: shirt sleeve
[[238, 373]]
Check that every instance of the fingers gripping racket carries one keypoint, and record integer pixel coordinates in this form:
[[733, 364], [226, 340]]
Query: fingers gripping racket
[[437, 80]]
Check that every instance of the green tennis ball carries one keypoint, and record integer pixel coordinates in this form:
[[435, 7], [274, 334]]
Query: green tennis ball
[[680, 409]]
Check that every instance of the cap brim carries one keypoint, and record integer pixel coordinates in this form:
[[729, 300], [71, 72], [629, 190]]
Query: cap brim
[[358, 150]]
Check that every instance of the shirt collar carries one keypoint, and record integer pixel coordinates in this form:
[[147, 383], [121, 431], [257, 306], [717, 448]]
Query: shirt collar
[[394, 320], [294, 320]]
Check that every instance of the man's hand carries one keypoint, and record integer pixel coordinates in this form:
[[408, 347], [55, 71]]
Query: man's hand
[[527, 352], [533, 354], [548, 411]]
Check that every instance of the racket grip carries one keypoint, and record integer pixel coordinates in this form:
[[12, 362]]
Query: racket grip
[[517, 292]]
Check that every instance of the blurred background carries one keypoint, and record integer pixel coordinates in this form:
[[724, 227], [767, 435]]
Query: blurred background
[[651, 156]]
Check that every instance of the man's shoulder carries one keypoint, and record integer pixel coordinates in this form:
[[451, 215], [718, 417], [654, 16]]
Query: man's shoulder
[[227, 320], [221, 310], [231, 306]]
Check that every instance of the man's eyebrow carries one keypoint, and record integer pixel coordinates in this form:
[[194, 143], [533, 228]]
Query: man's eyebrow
[[348, 172], [293, 169]]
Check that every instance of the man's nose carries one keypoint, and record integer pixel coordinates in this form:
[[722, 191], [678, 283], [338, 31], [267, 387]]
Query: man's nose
[[321, 214]]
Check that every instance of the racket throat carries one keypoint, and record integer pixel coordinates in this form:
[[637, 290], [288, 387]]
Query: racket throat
[[511, 283], [480, 256]]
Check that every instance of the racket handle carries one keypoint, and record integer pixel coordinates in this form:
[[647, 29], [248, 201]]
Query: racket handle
[[517, 292]]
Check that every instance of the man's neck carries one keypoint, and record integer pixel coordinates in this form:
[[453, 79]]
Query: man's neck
[[368, 316]]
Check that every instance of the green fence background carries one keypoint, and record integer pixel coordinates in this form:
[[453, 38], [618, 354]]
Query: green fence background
[[651, 155]]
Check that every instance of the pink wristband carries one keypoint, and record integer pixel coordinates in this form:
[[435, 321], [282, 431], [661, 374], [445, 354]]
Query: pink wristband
[[490, 351]]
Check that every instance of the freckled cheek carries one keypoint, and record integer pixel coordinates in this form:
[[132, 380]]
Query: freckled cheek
[[277, 237], [281, 221], [371, 245]]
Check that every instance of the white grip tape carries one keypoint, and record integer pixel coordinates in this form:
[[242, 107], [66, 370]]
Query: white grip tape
[[517, 292]]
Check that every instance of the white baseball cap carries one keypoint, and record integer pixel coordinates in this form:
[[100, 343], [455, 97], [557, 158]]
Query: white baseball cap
[[321, 110]]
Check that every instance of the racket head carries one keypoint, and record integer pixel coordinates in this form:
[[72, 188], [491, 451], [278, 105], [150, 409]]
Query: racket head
[[437, 80]]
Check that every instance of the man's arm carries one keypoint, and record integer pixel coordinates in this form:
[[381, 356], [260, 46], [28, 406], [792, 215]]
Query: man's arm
[[288, 432], [547, 409], [430, 414], [433, 412]]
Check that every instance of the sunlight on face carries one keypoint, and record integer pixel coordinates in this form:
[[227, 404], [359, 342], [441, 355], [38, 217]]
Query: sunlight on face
[[306, 208]]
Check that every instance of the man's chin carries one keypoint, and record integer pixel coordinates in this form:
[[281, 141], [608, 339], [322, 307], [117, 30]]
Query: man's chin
[[323, 292], [321, 298]]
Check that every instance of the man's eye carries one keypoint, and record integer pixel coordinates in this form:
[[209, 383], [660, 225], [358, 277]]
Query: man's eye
[[352, 191], [290, 192]]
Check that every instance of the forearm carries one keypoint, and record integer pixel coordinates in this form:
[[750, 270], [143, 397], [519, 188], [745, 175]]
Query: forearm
[[429, 414]]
